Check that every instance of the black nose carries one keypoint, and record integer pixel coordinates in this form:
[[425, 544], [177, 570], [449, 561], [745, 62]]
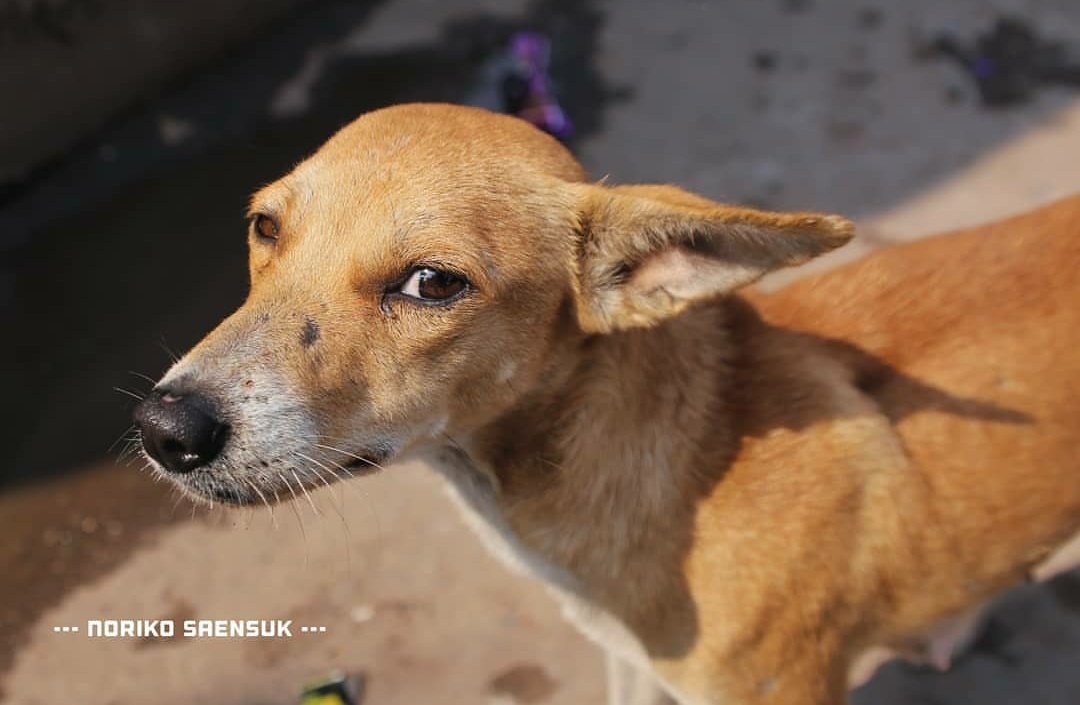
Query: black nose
[[179, 431]]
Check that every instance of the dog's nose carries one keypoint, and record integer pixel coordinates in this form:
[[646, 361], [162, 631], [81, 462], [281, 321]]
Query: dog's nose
[[180, 431]]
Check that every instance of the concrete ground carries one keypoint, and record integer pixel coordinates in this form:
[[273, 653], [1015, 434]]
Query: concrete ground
[[137, 239], [58, 53]]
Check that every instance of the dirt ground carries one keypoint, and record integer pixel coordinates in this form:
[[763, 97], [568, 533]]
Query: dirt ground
[[135, 246]]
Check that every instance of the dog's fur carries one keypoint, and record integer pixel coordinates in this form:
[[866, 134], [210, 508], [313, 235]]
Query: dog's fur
[[738, 496]]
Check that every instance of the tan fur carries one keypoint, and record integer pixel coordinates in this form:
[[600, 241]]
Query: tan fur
[[742, 494]]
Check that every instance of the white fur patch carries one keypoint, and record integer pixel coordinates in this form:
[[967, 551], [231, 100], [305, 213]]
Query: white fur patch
[[506, 372], [439, 428], [475, 496]]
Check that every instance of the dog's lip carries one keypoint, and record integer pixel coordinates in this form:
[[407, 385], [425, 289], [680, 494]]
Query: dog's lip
[[231, 498], [205, 485], [235, 496], [362, 465]]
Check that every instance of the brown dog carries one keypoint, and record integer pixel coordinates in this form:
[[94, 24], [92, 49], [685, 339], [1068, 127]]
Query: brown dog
[[740, 500]]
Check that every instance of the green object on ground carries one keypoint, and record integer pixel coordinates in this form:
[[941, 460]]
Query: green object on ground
[[338, 689]]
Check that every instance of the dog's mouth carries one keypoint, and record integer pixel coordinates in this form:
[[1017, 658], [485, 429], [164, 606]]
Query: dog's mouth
[[364, 465], [269, 483]]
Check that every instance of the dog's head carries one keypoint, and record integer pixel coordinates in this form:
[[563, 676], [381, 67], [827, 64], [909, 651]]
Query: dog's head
[[415, 278]]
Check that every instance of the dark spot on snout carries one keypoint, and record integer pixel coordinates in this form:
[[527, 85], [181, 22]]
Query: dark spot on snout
[[310, 335]]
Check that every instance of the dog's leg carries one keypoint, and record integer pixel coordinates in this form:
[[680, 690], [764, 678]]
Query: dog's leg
[[630, 685], [1060, 561]]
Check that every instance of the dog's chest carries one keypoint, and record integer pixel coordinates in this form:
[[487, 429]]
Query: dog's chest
[[476, 499]]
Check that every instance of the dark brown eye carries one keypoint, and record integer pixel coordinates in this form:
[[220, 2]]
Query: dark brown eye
[[265, 226], [433, 285]]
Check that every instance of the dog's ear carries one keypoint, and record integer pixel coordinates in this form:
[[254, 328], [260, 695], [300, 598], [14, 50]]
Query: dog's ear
[[647, 252]]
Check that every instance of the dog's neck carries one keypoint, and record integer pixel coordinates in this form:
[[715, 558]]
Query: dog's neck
[[596, 471]]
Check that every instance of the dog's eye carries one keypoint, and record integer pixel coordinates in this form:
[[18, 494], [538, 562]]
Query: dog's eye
[[428, 284], [265, 226]]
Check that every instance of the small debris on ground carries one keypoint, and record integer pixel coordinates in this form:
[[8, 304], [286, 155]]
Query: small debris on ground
[[338, 689], [523, 684], [1011, 61], [518, 82], [797, 5], [764, 60], [869, 18]]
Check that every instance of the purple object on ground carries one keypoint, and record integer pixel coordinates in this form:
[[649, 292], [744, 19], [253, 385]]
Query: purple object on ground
[[527, 92]]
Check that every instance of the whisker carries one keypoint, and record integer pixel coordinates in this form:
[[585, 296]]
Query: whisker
[[372, 463], [307, 494], [168, 351], [252, 485], [239, 503], [177, 501], [140, 375], [341, 481], [132, 445], [364, 498], [325, 482], [133, 456], [134, 395], [339, 511], [121, 437], [130, 452], [318, 474], [292, 504], [349, 474]]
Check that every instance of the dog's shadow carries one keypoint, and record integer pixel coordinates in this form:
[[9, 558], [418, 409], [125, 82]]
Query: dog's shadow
[[894, 394], [793, 403], [898, 395]]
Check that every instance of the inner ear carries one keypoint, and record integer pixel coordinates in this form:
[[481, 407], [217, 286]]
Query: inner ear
[[681, 272]]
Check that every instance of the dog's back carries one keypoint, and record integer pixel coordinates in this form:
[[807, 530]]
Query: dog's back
[[969, 343]]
